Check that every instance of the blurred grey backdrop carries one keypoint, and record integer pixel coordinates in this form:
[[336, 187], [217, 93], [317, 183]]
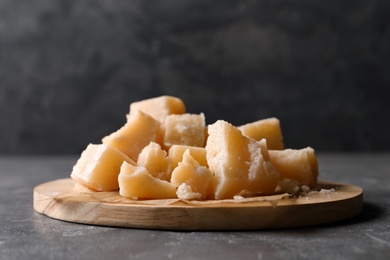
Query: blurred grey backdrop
[[70, 68]]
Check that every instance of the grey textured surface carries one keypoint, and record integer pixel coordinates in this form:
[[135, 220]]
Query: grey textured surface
[[25, 234], [70, 68]]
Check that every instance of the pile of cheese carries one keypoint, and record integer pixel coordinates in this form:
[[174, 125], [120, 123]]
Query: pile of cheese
[[164, 152]]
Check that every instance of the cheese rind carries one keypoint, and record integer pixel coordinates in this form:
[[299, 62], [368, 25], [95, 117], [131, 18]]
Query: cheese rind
[[137, 182], [98, 167], [138, 132], [268, 128], [297, 164]]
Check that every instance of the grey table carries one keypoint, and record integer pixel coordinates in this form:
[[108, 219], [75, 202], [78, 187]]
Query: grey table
[[25, 234]]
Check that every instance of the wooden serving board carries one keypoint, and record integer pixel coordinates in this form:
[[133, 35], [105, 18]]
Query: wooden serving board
[[65, 200]]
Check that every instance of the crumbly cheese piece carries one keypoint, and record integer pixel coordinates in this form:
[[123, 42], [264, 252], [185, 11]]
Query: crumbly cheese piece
[[159, 107], [288, 185], [263, 175], [184, 192], [98, 167], [297, 164], [136, 181], [176, 152], [237, 162], [155, 160], [185, 129], [138, 132], [268, 128], [190, 172]]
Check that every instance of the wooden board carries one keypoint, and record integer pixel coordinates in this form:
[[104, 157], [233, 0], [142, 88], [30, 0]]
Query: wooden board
[[64, 200]]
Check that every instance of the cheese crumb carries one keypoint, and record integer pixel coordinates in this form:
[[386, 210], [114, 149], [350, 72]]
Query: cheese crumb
[[185, 192], [238, 197]]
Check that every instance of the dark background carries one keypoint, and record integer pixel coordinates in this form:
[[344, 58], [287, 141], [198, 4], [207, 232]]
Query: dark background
[[70, 68]]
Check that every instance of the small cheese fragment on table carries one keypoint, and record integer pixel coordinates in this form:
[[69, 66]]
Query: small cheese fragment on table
[[137, 182], [155, 160], [297, 164], [185, 129], [236, 161], [159, 107], [191, 173], [268, 128], [288, 185], [138, 132], [176, 152], [98, 167]]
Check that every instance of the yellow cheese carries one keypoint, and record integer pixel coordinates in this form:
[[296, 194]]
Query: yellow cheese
[[155, 160], [159, 107], [179, 156], [138, 132], [137, 182], [176, 152], [98, 167], [299, 165], [266, 128], [237, 162], [191, 173], [263, 175], [184, 129]]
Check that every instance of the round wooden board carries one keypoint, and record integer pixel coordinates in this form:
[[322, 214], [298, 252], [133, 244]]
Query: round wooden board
[[64, 200]]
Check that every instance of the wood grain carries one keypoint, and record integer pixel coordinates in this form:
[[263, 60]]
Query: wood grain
[[64, 200]]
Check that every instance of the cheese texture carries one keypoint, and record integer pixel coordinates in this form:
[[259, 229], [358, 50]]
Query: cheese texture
[[159, 107], [98, 167], [155, 160], [184, 192], [191, 173], [176, 152], [237, 162], [185, 129], [263, 175], [268, 128], [138, 132], [137, 182], [164, 152], [297, 164]]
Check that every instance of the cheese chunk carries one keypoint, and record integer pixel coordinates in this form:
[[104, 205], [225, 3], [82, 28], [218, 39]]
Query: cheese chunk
[[190, 172], [159, 107], [176, 152], [185, 129], [263, 176], [138, 132], [237, 162], [155, 160], [266, 128], [137, 183], [98, 167], [300, 165]]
